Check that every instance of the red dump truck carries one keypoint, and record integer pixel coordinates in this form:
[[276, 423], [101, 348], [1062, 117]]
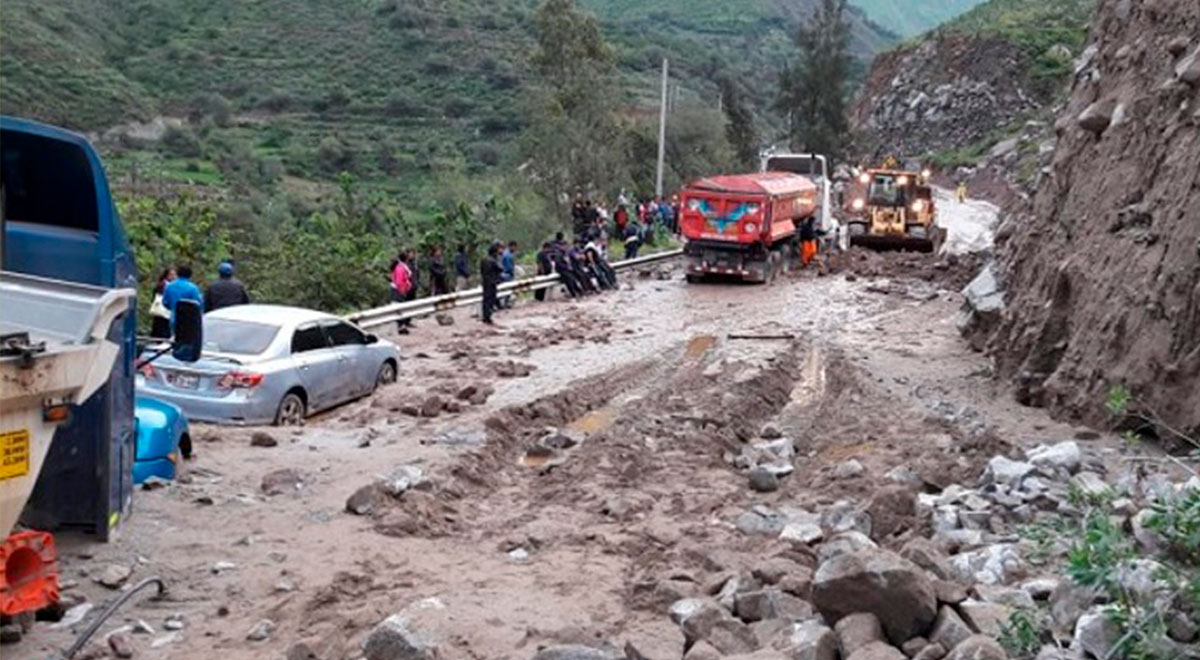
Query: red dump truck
[[744, 225]]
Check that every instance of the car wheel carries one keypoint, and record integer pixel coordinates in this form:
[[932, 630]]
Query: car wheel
[[387, 374], [291, 410]]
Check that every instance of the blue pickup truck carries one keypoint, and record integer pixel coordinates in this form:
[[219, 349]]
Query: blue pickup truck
[[60, 222]]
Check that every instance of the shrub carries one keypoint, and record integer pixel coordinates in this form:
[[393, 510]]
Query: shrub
[[181, 141], [459, 106], [402, 104], [334, 156]]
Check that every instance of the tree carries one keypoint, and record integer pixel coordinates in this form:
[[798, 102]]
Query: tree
[[572, 139], [739, 123], [812, 91]]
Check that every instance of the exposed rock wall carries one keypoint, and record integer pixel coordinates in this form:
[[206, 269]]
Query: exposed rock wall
[[947, 91], [1102, 278]]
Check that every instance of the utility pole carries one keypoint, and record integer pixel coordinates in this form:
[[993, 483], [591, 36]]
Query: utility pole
[[662, 134]]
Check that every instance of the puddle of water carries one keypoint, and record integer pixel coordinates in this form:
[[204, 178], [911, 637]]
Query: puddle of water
[[812, 381], [699, 345]]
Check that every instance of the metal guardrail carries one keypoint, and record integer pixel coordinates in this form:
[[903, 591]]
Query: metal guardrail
[[414, 309]]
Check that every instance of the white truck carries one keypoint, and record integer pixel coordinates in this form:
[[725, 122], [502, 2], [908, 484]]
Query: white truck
[[815, 167]]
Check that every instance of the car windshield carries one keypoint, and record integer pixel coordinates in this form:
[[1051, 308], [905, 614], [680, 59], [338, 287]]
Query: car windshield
[[240, 337], [885, 191]]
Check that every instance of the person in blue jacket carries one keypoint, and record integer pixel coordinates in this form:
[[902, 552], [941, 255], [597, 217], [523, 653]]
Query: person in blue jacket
[[181, 288]]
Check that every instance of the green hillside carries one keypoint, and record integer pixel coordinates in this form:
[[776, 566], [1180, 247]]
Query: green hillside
[[911, 17]]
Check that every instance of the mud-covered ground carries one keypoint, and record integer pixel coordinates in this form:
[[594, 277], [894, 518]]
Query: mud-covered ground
[[579, 469]]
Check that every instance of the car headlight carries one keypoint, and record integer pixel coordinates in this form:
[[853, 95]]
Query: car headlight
[[902, 181], [864, 177], [925, 174], [858, 204], [918, 206]]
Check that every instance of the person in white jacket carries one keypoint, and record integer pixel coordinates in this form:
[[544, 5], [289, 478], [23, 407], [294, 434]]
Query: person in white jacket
[[160, 316]]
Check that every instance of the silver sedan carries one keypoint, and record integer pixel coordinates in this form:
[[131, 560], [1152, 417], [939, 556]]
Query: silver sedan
[[271, 364]]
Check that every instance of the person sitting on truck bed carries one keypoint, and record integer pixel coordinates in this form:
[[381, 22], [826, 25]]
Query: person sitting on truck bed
[[227, 291], [181, 288]]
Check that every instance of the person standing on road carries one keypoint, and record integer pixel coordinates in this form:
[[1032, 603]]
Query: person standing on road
[[545, 266], [402, 287], [490, 273], [227, 291], [462, 269], [633, 239], [808, 240], [437, 272], [181, 288], [962, 191], [160, 316], [508, 268]]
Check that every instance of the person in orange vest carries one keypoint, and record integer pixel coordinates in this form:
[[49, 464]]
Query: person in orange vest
[[808, 240]]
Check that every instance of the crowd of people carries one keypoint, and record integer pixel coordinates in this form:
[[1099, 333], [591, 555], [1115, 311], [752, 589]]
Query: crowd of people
[[582, 264]]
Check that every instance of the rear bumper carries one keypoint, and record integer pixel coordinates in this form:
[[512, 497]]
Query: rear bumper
[[233, 409]]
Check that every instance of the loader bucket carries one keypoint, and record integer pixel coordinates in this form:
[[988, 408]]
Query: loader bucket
[[892, 243]]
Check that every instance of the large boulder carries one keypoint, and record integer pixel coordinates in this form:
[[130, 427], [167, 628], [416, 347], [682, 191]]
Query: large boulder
[[395, 639], [880, 582]]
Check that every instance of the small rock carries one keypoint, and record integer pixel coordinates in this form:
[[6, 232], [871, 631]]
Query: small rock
[[285, 586], [1001, 470], [802, 533], [1064, 455], [849, 469], [757, 605], [432, 406], [282, 481], [261, 631], [934, 651], [1097, 116], [949, 630], [395, 639], [1177, 45], [572, 652], [174, 622], [763, 480], [1090, 484], [366, 500], [978, 647], [914, 646], [1068, 602], [950, 593], [843, 543], [223, 567], [812, 640], [880, 582], [155, 482], [1096, 632], [856, 631], [987, 618], [444, 319], [114, 575], [772, 570], [877, 651], [844, 517], [1002, 595], [140, 627], [263, 439], [892, 509], [702, 650], [924, 553], [402, 479], [770, 432], [300, 651], [121, 645], [1188, 68]]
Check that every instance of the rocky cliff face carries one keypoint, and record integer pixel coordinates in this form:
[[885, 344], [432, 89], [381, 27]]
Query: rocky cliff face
[[1102, 275], [947, 91]]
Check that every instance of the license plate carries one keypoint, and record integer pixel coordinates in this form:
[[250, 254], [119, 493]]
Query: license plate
[[14, 453], [186, 381]]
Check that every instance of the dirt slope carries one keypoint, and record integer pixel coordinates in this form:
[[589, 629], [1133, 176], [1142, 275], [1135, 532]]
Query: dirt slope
[[1103, 279]]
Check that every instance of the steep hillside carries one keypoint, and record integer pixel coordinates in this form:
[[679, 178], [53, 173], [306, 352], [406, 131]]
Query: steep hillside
[[1103, 275], [971, 82], [909, 17]]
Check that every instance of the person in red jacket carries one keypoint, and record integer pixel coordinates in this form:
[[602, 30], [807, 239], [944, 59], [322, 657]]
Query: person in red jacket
[[402, 287]]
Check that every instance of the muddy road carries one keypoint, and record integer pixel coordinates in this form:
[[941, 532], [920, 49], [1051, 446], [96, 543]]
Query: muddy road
[[562, 478]]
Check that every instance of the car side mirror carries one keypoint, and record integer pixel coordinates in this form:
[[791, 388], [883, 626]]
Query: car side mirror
[[189, 331], [372, 339]]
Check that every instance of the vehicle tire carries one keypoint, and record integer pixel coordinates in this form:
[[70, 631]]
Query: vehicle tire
[[857, 228], [290, 411], [387, 374], [693, 278]]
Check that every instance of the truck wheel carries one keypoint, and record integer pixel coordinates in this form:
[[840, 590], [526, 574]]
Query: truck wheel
[[693, 278], [290, 411]]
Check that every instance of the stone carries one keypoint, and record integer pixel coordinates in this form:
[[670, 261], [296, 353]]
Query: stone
[[1064, 455], [978, 647], [904, 475], [263, 439], [770, 432], [114, 575], [986, 618], [892, 509], [802, 533], [261, 631], [1096, 632], [951, 593], [121, 644], [757, 605], [1181, 627], [849, 469], [432, 406], [880, 582], [760, 521], [1177, 45], [402, 479], [812, 640], [367, 500], [1002, 470], [1040, 588], [572, 652], [993, 564], [702, 650], [1188, 68], [949, 630], [798, 583], [843, 543], [763, 480], [856, 631], [934, 651], [771, 631], [924, 553], [845, 517], [223, 567], [1068, 602], [282, 481], [877, 651], [1090, 484], [772, 570], [1140, 579], [914, 646], [730, 636], [10, 633], [1010, 596], [301, 651], [1097, 116], [443, 319], [395, 639]]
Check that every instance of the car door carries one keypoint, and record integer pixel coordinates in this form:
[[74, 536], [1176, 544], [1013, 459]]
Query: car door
[[350, 344], [317, 365]]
